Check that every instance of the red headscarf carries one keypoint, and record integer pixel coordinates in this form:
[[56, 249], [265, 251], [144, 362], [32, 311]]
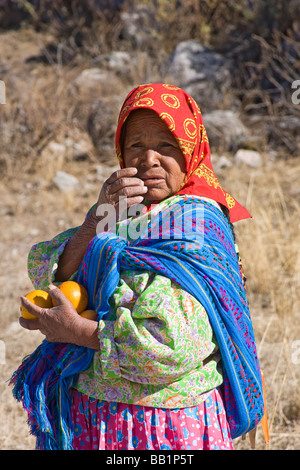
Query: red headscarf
[[183, 117]]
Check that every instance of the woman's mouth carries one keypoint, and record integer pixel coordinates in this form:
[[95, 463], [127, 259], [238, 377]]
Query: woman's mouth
[[152, 180]]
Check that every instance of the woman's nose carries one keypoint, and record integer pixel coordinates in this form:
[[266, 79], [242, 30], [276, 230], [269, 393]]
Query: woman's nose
[[152, 158]]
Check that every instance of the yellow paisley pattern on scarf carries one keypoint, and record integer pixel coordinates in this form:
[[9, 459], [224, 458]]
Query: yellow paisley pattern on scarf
[[144, 102], [168, 120], [190, 128], [170, 100], [187, 147], [144, 92], [204, 172]]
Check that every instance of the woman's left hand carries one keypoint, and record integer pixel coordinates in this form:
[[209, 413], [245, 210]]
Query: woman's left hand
[[61, 323]]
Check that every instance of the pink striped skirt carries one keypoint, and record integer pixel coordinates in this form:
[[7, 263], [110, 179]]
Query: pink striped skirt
[[101, 425]]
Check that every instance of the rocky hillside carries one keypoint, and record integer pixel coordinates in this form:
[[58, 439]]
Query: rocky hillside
[[65, 69]]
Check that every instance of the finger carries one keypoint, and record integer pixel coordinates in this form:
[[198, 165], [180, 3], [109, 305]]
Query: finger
[[124, 183], [57, 295], [29, 324], [128, 192], [134, 200], [122, 173], [30, 307]]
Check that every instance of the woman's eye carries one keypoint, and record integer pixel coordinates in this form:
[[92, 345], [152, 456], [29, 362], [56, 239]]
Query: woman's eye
[[136, 145], [166, 144]]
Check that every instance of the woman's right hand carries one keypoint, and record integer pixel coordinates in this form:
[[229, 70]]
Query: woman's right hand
[[122, 184]]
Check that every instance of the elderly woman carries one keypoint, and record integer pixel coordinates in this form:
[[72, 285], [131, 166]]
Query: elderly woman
[[170, 362]]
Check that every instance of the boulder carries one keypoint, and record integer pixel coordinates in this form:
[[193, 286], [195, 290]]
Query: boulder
[[65, 182], [87, 84], [78, 144], [90, 84], [202, 72], [225, 130], [52, 158], [121, 66], [250, 158], [222, 163], [139, 26], [89, 78], [101, 125]]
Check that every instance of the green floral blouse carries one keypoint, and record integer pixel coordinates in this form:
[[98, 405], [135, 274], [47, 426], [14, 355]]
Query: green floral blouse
[[157, 347]]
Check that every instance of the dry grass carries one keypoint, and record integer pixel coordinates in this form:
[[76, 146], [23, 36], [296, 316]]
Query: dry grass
[[40, 109]]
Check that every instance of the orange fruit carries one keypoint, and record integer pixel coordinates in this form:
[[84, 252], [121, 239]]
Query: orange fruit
[[37, 297], [90, 314], [75, 293]]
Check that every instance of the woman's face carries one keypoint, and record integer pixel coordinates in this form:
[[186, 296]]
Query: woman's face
[[150, 147]]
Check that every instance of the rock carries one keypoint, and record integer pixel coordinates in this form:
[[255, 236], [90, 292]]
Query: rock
[[78, 144], [101, 125], [52, 157], [139, 25], [87, 86], [120, 65], [249, 157], [56, 148], [65, 182], [87, 83], [119, 60], [223, 162], [225, 130], [203, 73], [69, 144]]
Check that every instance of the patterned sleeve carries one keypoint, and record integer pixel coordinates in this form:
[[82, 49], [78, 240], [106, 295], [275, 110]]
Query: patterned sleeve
[[43, 259], [157, 337]]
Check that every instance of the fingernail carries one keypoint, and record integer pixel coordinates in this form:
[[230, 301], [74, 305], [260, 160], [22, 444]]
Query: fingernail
[[51, 287]]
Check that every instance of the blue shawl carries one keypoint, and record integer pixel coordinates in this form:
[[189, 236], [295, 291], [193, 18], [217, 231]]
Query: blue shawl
[[190, 241]]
